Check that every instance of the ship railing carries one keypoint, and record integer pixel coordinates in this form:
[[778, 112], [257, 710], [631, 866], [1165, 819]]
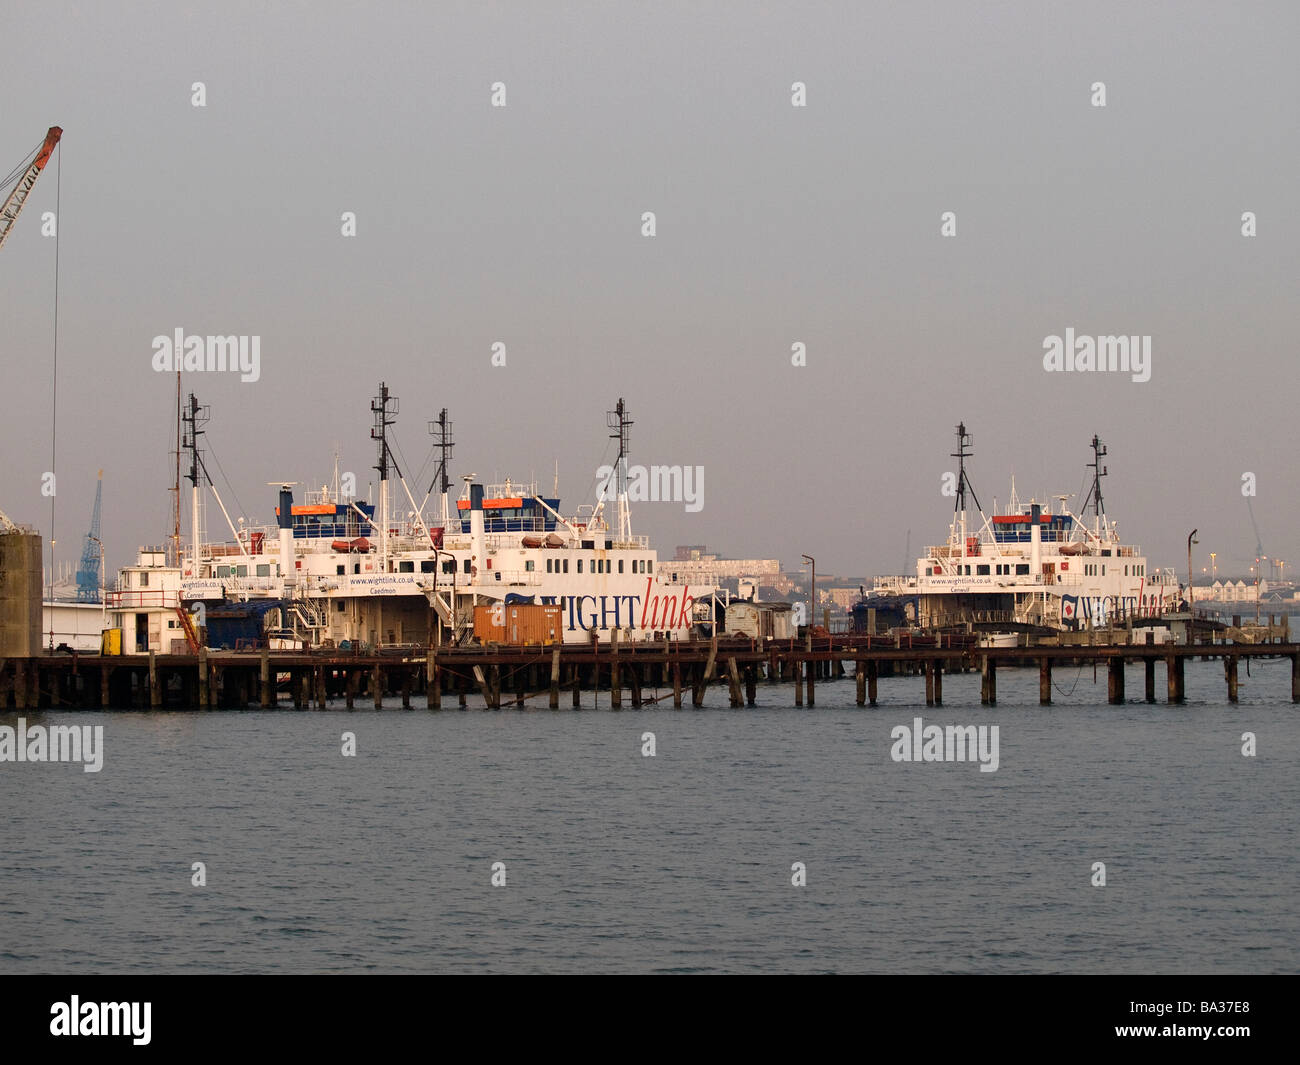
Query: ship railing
[[248, 585], [636, 543], [510, 578], [142, 598], [510, 490], [896, 584]]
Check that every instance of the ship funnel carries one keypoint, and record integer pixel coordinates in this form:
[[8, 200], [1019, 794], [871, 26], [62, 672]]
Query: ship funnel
[[286, 535], [1035, 539], [476, 526]]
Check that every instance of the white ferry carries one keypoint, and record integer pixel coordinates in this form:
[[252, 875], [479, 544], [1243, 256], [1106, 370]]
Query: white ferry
[[1031, 566], [338, 571]]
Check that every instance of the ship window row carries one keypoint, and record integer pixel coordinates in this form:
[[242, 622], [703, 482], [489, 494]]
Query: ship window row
[[596, 565], [262, 570]]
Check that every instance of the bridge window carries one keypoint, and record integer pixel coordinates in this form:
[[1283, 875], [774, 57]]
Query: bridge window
[[1022, 569], [981, 571], [427, 565], [338, 570], [529, 566], [406, 567], [264, 570], [449, 566]]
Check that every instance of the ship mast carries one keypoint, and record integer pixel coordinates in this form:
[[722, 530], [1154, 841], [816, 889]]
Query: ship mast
[[618, 420], [1094, 495], [193, 418], [441, 430], [962, 453], [382, 406], [176, 487]]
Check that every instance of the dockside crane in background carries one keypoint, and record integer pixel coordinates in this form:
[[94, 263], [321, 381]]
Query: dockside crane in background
[[31, 170], [90, 572]]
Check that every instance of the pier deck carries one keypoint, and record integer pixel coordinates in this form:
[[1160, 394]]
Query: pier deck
[[503, 674]]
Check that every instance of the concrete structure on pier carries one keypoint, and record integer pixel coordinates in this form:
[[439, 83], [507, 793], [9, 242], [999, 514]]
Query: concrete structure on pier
[[20, 594]]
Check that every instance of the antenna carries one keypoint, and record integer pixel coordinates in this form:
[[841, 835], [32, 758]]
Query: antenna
[[194, 418], [962, 453], [441, 431], [384, 405], [618, 420], [1098, 472]]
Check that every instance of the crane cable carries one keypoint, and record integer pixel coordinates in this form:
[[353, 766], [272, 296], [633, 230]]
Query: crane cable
[[54, 397]]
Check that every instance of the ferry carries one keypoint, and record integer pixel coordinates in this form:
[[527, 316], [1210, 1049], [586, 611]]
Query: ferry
[[336, 571], [1030, 566]]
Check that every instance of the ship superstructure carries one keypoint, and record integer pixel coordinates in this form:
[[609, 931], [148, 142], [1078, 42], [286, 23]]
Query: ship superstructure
[[1032, 565], [336, 570]]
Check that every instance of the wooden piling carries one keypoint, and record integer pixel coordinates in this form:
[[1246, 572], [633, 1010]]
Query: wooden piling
[[1174, 678], [873, 677], [704, 678], [1045, 681], [155, 692], [554, 703], [1115, 681], [268, 682], [1230, 671], [677, 685], [988, 681], [615, 692], [733, 682], [1149, 668], [929, 683]]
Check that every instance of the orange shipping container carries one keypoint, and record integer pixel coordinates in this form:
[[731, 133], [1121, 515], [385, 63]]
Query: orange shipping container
[[518, 623]]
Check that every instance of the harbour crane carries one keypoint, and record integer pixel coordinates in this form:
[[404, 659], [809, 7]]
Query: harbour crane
[[15, 200], [92, 555], [1259, 546]]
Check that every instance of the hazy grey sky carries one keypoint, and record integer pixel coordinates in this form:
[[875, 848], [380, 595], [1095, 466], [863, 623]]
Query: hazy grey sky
[[775, 224]]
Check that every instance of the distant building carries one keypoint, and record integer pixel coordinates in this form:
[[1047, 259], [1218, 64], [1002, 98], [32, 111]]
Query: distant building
[[693, 563]]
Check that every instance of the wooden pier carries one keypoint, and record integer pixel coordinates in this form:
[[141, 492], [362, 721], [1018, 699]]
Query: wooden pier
[[633, 674]]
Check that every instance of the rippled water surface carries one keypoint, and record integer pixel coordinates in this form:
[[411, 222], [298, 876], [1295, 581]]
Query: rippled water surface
[[676, 863]]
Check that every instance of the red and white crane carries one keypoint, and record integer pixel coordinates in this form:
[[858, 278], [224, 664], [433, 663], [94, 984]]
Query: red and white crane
[[14, 202]]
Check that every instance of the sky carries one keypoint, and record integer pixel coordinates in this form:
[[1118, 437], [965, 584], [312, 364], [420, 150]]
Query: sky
[[775, 225]]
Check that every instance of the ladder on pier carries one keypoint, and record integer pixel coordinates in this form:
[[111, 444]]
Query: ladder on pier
[[191, 634]]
